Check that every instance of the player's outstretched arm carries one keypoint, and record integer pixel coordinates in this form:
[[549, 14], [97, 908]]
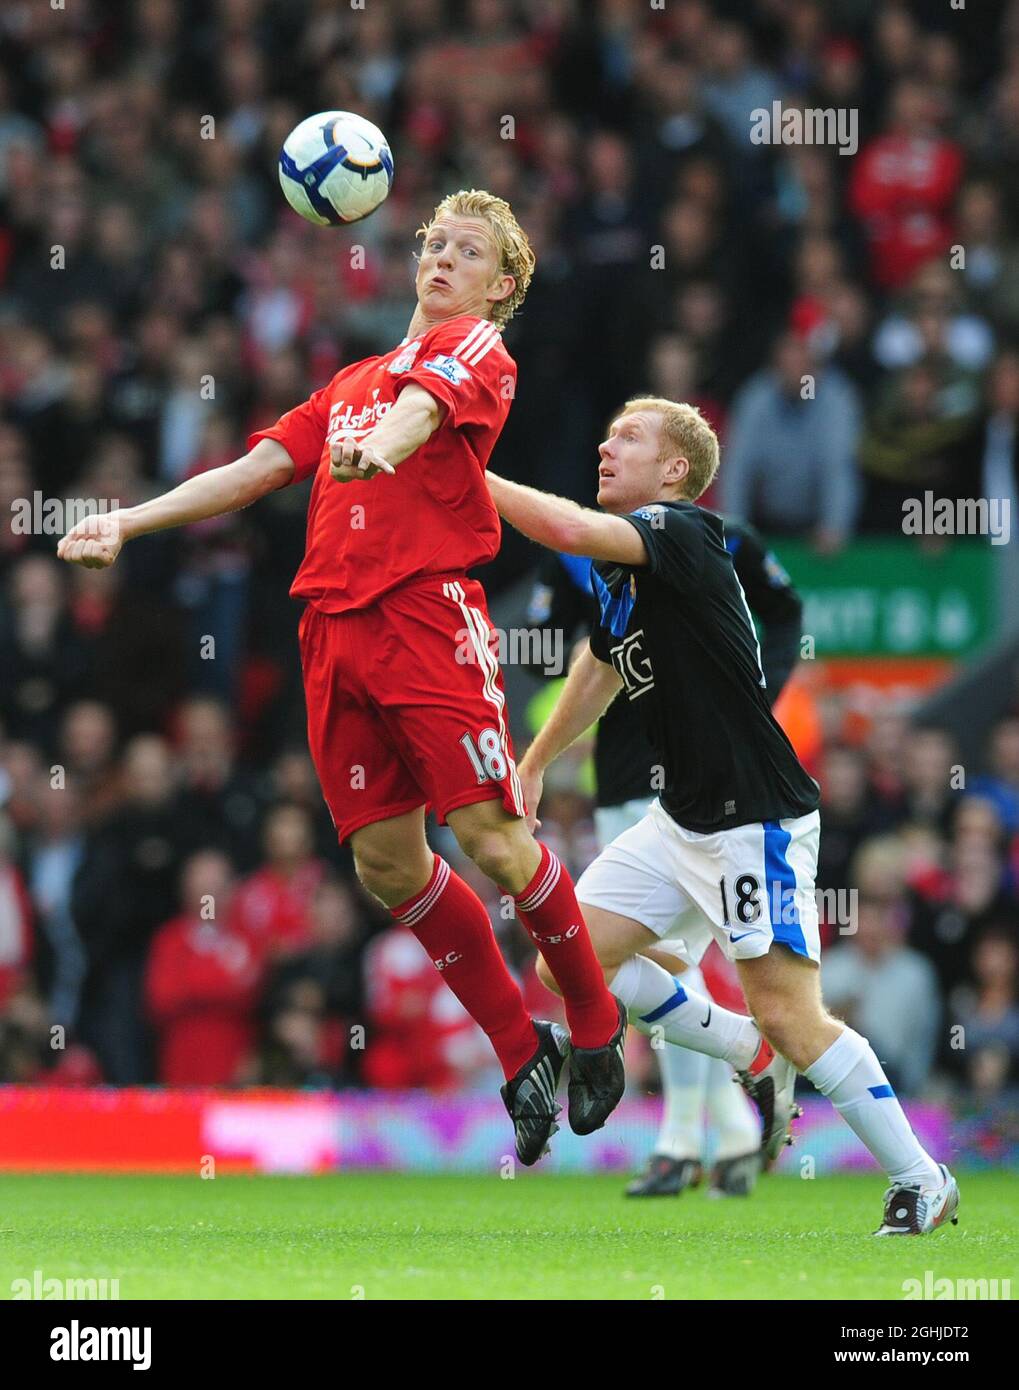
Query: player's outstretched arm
[[590, 688], [412, 421], [563, 525], [96, 541]]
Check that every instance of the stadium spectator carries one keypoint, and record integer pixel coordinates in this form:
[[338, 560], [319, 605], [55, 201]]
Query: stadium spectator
[[87, 752], [953, 905], [273, 905], [847, 811], [201, 984], [326, 977], [53, 853], [42, 659], [220, 799], [1000, 784], [16, 914], [986, 1049], [419, 1034], [127, 879], [931, 779], [875, 981], [932, 320], [789, 466], [903, 185]]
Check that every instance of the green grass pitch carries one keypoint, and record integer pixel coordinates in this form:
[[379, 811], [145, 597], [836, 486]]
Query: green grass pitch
[[396, 1236]]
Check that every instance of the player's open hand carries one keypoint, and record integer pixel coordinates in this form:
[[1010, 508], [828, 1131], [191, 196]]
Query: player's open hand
[[95, 542], [352, 461]]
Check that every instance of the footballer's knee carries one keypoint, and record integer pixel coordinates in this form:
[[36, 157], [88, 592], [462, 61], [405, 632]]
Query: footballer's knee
[[614, 938], [496, 853], [391, 877], [773, 1021], [799, 1029]]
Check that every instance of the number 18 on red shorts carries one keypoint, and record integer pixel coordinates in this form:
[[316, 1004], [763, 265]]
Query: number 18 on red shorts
[[406, 704]]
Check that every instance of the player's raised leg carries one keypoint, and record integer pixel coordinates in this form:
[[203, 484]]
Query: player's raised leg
[[394, 863], [640, 915], [783, 991], [444, 711], [503, 848], [660, 1005]]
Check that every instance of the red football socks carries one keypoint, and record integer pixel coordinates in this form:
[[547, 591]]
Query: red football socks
[[450, 921], [549, 910]]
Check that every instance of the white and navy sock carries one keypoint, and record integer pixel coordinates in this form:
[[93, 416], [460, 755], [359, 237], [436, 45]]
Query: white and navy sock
[[655, 1000], [852, 1078]]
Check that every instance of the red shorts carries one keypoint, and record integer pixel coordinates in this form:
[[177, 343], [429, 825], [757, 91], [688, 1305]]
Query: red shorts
[[406, 705]]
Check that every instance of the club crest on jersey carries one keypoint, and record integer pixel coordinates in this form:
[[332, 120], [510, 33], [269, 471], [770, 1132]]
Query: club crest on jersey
[[454, 371], [405, 361]]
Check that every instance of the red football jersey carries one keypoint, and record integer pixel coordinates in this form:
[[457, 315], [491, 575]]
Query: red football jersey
[[435, 515]]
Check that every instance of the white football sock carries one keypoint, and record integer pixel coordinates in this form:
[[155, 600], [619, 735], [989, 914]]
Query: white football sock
[[684, 1080], [736, 1123], [852, 1078], [663, 1006]]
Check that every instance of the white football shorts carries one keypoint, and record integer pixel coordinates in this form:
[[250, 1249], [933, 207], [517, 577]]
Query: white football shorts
[[747, 887]]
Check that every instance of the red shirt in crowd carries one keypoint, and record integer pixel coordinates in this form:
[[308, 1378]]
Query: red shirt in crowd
[[419, 1034], [901, 189], [201, 990], [273, 910], [15, 931], [435, 515]]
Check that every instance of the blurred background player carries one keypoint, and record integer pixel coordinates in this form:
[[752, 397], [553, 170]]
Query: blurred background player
[[627, 772], [398, 722]]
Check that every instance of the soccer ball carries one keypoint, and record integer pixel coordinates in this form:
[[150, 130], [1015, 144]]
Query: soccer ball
[[335, 168]]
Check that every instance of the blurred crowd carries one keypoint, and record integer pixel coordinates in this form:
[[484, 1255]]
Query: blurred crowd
[[173, 904]]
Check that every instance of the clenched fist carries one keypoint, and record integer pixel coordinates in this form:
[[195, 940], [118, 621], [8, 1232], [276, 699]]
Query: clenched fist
[[352, 461], [94, 542]]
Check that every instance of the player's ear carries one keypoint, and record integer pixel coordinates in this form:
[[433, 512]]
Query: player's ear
[[676, 470], [502, 287]]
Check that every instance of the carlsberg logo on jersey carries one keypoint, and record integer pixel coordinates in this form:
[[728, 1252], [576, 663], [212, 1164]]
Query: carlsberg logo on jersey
[[343, 419]]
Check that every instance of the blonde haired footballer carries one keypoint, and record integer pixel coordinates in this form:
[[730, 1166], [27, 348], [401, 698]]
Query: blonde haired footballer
[[397, 447], [729, 848]]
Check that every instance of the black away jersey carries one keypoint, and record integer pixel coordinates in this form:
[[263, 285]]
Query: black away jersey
[[679, 633]]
